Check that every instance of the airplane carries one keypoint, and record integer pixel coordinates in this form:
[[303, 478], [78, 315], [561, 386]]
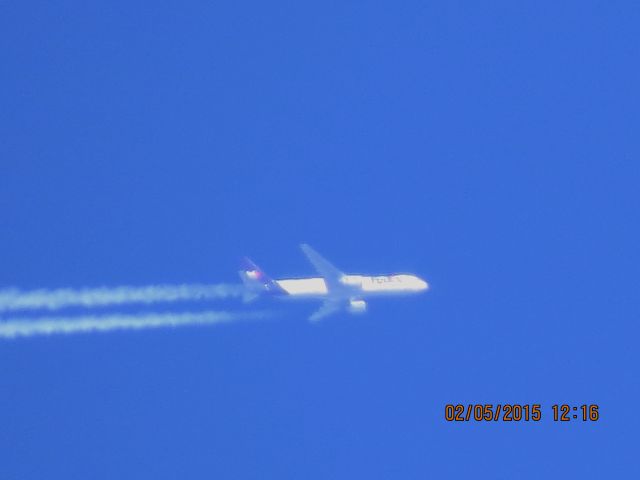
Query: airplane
[[338, 290]]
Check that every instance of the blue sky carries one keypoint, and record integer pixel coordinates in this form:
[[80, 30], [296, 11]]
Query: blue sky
[[491, 149]]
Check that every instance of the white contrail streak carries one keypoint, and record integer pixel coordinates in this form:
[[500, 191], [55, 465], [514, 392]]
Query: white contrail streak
[[21, 327], [15, 299]]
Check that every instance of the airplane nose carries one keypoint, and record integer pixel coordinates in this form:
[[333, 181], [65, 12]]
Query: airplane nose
[[424, 285]]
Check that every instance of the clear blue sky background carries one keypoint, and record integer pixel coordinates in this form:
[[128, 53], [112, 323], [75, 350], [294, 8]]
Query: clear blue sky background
[[491, 148]]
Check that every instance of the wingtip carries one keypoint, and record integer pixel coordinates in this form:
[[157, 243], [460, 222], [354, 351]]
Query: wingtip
[[305, 247]]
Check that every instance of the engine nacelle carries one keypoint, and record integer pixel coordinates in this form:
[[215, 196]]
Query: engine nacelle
[[357, 306]]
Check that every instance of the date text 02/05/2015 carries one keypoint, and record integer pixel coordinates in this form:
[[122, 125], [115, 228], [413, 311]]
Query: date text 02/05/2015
[[513, 412]]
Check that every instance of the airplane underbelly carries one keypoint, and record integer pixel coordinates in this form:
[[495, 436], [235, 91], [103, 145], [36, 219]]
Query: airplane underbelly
[[381, 290]]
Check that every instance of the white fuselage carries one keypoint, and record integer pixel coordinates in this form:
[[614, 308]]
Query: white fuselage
[[353, 286]]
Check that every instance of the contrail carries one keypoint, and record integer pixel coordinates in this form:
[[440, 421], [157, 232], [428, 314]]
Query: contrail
[[15, 299], [12, 328]]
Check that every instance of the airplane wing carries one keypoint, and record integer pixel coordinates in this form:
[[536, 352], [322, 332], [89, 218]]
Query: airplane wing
[[331, 276], [329, 307], [330, 273]]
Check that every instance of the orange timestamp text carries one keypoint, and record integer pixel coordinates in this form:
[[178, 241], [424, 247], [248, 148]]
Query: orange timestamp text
[[514, 412]]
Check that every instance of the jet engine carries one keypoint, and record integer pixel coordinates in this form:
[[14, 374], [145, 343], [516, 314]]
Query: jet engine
[[357, 306]]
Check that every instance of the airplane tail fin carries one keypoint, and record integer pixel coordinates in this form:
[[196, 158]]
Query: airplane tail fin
[[256, 281]]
